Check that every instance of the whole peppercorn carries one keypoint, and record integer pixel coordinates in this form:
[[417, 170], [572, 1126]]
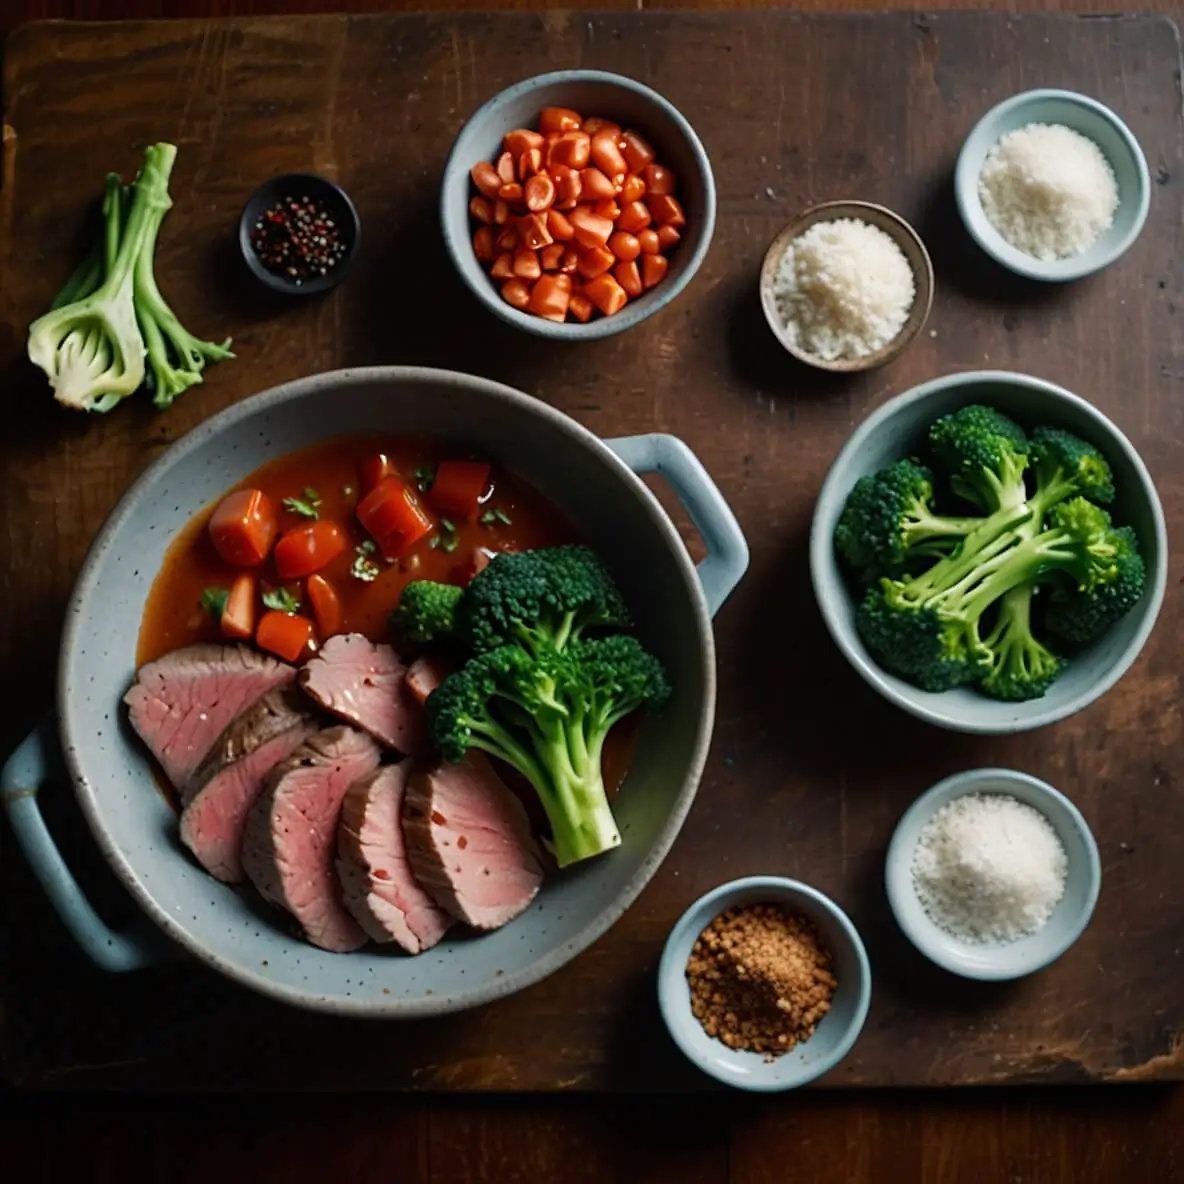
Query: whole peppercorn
[[298, 239]]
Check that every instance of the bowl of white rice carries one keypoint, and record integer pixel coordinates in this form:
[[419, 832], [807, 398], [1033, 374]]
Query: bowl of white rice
[[993, 874], [1052, 185], [846, 286]]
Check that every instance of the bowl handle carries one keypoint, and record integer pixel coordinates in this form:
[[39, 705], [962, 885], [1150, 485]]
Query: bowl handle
[[727, 550], [32, 766]]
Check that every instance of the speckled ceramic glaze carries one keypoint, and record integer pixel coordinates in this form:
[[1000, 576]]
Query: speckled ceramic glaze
[[897, 429], [611, 96], [593, 481]]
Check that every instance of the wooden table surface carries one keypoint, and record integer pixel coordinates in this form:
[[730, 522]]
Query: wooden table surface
[[1095, 1135]]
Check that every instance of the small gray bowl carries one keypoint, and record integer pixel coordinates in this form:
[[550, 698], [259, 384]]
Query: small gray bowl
[[610, 96], [1094, 121], [996, 961], [834, 1036], [900, 232], [898, 429]]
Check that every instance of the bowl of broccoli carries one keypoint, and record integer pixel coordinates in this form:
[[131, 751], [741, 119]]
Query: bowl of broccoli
[[989, 552]]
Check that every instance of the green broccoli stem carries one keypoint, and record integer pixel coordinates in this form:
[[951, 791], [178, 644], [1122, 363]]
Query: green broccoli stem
[[86, 278]]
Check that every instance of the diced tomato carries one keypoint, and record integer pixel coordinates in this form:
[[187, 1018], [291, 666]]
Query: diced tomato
[[559, 119], [375, 469], [392, 516], [306, 549], [238, 617], [638, 154], [284, 634], [458, 487], [326, 605], [666, 210], [243, 527]]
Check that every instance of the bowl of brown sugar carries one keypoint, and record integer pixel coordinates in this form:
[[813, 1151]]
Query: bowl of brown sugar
[[764, 984]]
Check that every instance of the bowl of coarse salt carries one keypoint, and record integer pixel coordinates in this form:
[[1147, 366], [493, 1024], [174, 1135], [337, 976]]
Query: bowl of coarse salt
[[846, 286], [1052, 185], [992, 874]]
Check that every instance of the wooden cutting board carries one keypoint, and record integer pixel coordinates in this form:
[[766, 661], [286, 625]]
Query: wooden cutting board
[[810, 770]]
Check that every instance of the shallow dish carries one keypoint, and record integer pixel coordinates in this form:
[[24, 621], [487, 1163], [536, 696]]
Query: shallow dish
[[900, 232], [334, 198], [1094, 121], [610, 96], [593, 482], [898, 429], [835, 1035], [997, 960]]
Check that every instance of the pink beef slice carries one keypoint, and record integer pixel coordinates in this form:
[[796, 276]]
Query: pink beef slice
[[231, 778], [365, 685], [291, 834], [424, 675], [380, 890], [181, 703], [469, 842]]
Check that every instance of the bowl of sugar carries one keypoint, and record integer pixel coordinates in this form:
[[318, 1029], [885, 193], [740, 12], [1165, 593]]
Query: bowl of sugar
[[1052, 185], [992, 874]]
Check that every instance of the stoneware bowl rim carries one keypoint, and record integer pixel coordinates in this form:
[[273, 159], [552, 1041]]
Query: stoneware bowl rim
[[672, 991], [650, 302], [906, 236], [982, 138], [243, 970], [989, 963], [831, 590]]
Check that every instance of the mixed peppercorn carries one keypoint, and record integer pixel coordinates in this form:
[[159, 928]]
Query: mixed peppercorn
[[298, 239]]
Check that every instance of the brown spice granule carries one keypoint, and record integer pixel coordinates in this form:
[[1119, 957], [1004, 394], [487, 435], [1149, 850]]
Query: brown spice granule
[[760, 979]]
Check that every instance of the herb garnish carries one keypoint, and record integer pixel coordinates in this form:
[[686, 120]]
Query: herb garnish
[[307, 506], [364, 568], [213, 601], [282, 600], [425, 475], [447, 540], [495, 515]]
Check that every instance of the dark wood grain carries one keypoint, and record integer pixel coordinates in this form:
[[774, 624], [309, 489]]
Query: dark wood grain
[[787, 790]]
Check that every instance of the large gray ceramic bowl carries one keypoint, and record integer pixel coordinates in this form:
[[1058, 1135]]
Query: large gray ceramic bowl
[[897, 429], [610, 96], [593, 481]]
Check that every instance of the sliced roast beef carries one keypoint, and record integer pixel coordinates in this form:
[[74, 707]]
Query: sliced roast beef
[[366, 685], [291, 834], [424, 675], [230, 778], [181, 703], [469, 842], [379, 887]]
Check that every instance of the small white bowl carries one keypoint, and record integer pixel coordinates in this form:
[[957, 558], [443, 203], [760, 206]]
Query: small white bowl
[[996, 961], [834, 1036], [1094, 121]]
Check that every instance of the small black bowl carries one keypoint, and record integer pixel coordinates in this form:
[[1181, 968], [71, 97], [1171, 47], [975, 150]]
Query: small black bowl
[[300, 185]]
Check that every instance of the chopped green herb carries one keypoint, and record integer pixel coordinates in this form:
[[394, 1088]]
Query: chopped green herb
[[447, 526], [434, 542], [447, 540], [282, 600], [364, 568], [213, 601], [496, 515], [306, 506], [425, 475]]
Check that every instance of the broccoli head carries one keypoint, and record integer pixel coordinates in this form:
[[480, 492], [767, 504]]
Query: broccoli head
[[986, 455], [1020, 666], [427, 611], [540, 599], [547, 714], [889, 519], [1066, 466], [1080, 615]]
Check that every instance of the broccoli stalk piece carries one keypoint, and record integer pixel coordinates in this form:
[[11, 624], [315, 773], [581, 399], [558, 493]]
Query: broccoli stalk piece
[[889, 519], [542, 600], [546, 713], [1078, 615], [427, 611], [91, 349], [1020, 667], [986, 455], [927, 628]]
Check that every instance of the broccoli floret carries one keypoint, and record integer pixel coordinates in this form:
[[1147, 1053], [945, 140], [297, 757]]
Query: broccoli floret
[[1066, 466], [427, 611], [540, 599], [1020, 666], [1079, 615], [927, 628], [547, 714], [986, 455], [889, 519]]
